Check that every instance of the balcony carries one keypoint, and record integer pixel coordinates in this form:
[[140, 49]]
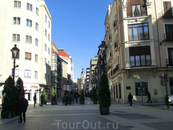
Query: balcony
[[168, 14], [115, 70], [136, 14]]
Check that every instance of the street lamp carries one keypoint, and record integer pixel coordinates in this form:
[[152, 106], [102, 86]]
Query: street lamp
[[15, 52], [103, 48]]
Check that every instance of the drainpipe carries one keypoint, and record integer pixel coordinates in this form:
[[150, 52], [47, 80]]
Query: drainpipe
[[157, 32]]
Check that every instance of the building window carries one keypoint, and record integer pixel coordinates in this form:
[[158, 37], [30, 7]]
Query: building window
[[27, 73], [36, 42], [28, 39], [37, 11], [49, 24], [138, 31], [17, 4], [48, 37], [169, 32], [144, 87], [45, 32], [16, 20], [36, 58], [27, 56], [45, 18], [48, 50], [136, 10], [36, 74], [36, 26], [167, 9], [45, 47], [16, 37], [170, 56], [29, 6], [29, 22], [140, 56]]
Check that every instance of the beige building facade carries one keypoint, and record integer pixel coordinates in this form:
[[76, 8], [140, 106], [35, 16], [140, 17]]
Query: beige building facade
[[26, 23], [134, 30]]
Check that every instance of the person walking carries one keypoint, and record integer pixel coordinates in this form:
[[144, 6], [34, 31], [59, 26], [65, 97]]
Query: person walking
[[23, 104], [130, 97], [34, 99], [76, 99], [66, 98], [149, 97]]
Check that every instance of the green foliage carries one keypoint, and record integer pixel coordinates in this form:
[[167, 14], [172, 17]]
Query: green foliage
[[91, 94], [9, 92], [103, 92], [19, 88], [53, 95], [44, 94], [81, 95], [94, 94]]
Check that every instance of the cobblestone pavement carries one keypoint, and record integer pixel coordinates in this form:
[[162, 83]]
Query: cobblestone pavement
[[76, 116]]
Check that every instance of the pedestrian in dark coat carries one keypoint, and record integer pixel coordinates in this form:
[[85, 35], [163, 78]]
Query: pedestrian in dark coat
[[66, 98], [34, 99], [76, 99], [149, 97], [42, 98], [130, 97], [23, 104]]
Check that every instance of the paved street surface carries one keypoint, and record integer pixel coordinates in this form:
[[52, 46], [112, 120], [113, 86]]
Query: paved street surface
[[87, 117]]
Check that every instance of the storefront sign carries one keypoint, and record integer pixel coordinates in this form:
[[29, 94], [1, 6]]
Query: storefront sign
[[33, 86]]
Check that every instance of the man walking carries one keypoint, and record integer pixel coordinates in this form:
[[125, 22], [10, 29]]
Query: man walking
[[130, 97], [34, 99], [149, 97], [23, 104]]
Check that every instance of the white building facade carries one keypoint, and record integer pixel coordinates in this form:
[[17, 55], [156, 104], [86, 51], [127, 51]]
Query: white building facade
[[26, 23]]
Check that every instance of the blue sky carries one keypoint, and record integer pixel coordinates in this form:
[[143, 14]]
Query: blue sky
[[78, 27]]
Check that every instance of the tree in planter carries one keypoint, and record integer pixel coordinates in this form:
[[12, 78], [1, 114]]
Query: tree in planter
[[53, 97], [91, 94], [9, 100], [19, 92], [94, 93], [104, 95], [45, 96], [81, 99]]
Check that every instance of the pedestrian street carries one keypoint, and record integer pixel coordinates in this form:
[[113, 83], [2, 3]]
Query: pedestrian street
[[87, 117]]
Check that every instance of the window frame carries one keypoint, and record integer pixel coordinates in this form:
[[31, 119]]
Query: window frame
[[29, 6], [29, 21], [16, 37], [28, 57], [37, 11], [36, 26], [17, 4], [36, 42], [28, 39], [15, 19], [28, 75], [132, 27], [36, 58], [168, 33], [36, 74]]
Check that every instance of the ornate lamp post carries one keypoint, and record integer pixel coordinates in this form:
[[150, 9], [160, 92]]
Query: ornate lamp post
[[15, 53], [103, 48]]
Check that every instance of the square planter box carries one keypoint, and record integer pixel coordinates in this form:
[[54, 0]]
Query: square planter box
[[7, 114], [104, 110], [82, 102]]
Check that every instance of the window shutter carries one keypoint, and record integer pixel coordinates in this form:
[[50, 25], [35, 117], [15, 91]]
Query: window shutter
[[26, 56]]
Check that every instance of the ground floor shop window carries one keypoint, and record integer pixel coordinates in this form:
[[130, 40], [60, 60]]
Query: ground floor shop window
[[138, 87], [27, 96], [116, 91], [171, 85], [119, 90]]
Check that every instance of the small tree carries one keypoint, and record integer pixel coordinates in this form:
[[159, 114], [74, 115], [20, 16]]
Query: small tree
[[45, 95], [103, 92], [9, 92], [53, 95], [81, 95]]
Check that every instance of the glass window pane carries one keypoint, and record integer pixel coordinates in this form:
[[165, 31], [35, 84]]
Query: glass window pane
[[140, 33], [142, 59], [14, 20], [28, 6], [19, 4], [137, 58], [146, 35], [135, 33], [15, 3], [148, 60], [138, 10], [132, 61], [18, 37], [14, 37], [130, 34]]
